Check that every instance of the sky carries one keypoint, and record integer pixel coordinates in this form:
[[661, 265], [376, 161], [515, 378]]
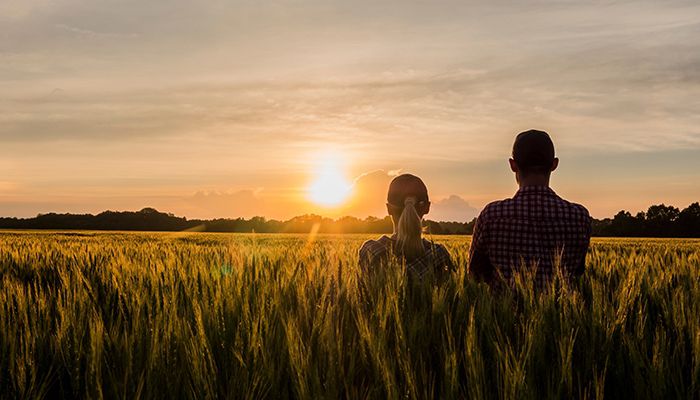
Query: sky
[[234, 108]]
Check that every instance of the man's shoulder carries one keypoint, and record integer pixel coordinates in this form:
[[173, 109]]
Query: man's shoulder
[[495, 209], [581, 210], [510, 206], [575, 209]]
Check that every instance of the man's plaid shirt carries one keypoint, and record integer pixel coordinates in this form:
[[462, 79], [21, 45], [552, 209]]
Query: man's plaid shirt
[[374, 253], [536, 228]]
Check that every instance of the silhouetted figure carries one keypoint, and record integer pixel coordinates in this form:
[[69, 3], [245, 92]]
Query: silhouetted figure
[[407, 203], [534, 229]]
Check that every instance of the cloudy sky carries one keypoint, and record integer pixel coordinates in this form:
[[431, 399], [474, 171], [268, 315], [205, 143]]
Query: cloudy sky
[[226, 108]]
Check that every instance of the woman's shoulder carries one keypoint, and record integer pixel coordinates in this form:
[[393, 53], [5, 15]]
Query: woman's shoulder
[[438, 251], [437, 247], [375, 247]]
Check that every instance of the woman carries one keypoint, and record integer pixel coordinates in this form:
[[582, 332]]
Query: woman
[[407, 203]]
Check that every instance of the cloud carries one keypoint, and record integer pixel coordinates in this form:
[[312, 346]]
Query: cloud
[[91, 33], [452, 208], [407, 118], [369, 195], [623, 78]]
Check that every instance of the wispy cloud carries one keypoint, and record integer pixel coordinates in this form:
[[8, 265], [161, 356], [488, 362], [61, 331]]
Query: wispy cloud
[[95, 34]]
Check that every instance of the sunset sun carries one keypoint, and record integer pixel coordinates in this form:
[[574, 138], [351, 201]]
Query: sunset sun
[[329, 187]]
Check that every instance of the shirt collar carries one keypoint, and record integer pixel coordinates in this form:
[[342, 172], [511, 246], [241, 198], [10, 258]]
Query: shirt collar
[[535, 190]]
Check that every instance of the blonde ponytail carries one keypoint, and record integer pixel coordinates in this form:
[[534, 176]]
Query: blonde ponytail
[[408, 236]]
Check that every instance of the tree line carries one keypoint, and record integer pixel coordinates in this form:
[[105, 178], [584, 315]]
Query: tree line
[[150, 219], [657, 221]]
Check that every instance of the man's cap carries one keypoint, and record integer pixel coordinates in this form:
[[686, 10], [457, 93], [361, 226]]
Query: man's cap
[[533, 148]]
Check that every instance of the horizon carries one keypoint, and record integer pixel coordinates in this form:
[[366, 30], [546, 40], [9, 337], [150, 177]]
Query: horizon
[[335, 219], [285, 109]]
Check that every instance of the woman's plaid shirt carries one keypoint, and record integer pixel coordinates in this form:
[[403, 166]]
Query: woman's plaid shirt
[[536, 229], [374, 253]]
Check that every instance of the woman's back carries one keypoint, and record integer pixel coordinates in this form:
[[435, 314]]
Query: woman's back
[[377, 253]]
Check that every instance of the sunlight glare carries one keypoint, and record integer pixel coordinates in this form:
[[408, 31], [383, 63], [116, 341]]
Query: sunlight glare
[[330, 187]]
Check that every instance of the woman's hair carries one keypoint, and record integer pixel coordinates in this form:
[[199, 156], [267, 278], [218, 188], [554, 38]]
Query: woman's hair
[[408, 197]]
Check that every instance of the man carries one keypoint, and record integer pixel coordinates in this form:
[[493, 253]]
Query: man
[[536, 229]]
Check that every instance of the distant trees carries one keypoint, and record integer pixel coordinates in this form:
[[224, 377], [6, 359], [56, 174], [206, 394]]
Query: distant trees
[[658, 221], [688, 222], [450, 228], [150, 219]]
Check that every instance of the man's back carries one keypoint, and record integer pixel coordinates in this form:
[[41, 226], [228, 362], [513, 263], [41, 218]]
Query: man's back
[[534, 228]]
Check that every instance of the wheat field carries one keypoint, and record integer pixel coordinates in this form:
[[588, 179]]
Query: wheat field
[[194, 315]]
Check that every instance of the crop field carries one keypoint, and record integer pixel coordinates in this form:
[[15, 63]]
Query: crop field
[[194, 315]]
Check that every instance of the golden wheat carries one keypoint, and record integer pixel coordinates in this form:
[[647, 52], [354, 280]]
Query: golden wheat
[[194, 315]]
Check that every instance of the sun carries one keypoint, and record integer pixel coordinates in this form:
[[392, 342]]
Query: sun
[[330, 187]]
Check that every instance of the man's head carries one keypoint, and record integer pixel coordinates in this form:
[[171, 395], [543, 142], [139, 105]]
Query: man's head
[[533, 158]]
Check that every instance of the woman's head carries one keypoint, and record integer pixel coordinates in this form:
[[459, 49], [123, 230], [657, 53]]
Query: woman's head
[[407, 203]]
